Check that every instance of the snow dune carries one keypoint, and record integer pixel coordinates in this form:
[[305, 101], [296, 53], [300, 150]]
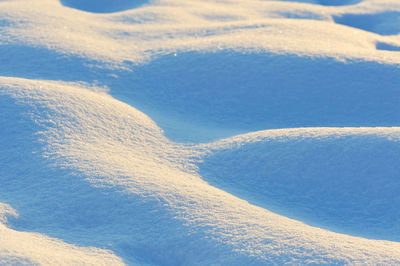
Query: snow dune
[[138, 180], [133, 136]]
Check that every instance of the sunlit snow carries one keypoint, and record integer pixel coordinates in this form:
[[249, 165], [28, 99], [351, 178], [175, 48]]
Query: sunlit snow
[[199, 132]]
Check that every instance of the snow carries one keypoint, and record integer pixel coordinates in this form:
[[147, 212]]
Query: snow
[[199, 132], [342, 179]]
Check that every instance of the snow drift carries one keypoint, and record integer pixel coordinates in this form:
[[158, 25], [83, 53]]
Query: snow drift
[[342, 179], [119, 137]]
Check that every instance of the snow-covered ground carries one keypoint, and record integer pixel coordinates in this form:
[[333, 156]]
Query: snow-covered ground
[[199, 132]]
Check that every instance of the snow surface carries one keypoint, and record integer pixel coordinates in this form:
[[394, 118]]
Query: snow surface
[[199, 132]]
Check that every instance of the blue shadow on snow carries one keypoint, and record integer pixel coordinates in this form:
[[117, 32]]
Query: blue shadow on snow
[[199, 97], [347, 184], [104, 6]]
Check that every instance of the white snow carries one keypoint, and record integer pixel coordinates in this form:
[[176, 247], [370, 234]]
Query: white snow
[[199, 132]]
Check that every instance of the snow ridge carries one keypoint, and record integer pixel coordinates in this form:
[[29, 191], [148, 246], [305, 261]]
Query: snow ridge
[[146, 134]]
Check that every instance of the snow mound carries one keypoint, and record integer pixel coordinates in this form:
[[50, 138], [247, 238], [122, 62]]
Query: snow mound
[[114, 172], [221, 94], [103, 6], [24, 248], [237, 92], [345, 180], [82, 165]]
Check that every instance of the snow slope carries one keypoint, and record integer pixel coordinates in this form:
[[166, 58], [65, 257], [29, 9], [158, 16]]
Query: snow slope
[[120, 132], [343, 179]]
